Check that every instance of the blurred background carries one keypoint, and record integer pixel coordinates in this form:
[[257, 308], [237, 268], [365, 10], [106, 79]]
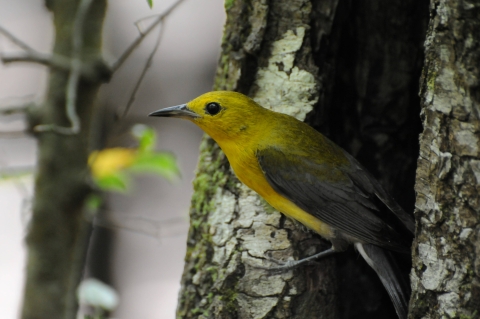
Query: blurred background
[[140, 252]]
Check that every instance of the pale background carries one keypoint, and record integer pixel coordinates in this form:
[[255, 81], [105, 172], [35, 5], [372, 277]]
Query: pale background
[[144, 255]]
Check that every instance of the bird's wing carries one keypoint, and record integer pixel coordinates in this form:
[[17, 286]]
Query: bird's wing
[[344, 198], [360, 176]]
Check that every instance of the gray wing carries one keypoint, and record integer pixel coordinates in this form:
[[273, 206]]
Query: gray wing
[[346, 198]]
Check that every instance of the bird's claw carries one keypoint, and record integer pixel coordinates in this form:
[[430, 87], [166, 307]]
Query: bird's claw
[[283, 266]]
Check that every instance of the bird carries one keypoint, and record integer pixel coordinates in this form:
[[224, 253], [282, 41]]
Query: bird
[[309, 178]]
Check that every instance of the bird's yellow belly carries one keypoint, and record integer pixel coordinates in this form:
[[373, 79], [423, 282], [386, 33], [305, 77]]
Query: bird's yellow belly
[[253, 177], [293, 211]]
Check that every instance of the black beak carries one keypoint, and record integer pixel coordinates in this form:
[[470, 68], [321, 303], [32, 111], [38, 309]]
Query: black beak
[[179, 111]]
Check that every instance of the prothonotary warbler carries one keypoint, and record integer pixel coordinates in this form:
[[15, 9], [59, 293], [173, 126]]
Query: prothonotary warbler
[[307, 177]]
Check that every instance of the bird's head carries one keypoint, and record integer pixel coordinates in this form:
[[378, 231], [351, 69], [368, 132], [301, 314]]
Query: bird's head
[[224, 115]]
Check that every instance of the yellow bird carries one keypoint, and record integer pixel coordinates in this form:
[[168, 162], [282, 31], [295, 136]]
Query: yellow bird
[[304, 175]]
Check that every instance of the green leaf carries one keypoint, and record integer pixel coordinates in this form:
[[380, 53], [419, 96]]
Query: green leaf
[[163, 164], [93, 202], [115, 182], [146, 137], [150, 3]]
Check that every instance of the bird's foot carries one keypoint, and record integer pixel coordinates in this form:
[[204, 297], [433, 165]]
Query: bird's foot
[[284, 266], [292, 264]]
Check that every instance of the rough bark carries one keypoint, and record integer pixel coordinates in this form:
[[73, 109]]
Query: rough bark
[[348, 68], [446, 264], [266, 53], [58, 230]]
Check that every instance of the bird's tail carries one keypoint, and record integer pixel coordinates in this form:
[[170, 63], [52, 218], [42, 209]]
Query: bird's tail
[[386, 268]]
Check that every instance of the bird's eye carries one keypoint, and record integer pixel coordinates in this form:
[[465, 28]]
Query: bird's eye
[[212, 108]]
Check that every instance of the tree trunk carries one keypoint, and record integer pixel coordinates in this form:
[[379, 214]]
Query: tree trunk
[[58, 231], [266, 53], [348, 68], [446, 254]]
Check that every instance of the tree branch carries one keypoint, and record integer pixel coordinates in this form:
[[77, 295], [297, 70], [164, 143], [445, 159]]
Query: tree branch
[[87, 70], [147, 65], [35, 57], [142, 36], [32, 55], [16, 40], [12, 134], [76, 65], [7, 172], [15, 109]]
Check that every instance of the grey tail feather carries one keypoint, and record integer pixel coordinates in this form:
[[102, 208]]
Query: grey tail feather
[[386, 268]]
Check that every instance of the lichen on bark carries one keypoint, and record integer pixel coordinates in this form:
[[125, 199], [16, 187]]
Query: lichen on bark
[[446, 269]]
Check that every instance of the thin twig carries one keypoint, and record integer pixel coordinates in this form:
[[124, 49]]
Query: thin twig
[[147, 66], [11, 110], [137, 23], [159, 229], [13, 134], [12, 171], [50, 60], [74, 76], [31, 55], [34, 57], [16, 40], [142, 36]]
